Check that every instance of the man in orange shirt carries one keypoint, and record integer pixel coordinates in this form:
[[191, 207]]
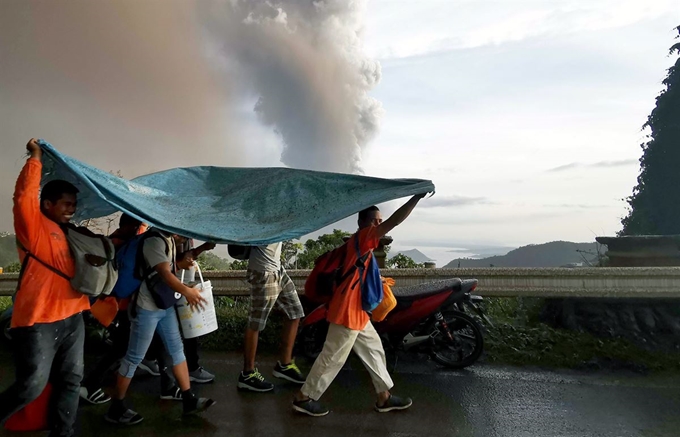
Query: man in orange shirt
[[350, 327], [47, 326]]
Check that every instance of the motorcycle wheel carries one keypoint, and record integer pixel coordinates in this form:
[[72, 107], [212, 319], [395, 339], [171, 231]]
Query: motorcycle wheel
[[6, 335], [467, 344], [310, 340]]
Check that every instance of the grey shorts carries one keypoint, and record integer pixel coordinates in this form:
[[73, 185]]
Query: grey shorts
[[269, 290]]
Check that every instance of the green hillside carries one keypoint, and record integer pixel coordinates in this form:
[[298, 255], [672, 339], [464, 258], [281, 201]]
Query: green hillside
[[553, 254]]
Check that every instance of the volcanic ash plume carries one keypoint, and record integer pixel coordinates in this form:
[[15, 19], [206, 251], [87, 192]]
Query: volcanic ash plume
[[303, 61]]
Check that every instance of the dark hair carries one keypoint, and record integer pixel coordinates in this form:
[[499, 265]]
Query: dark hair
[[363, 214], [53, 190], [127, 221]]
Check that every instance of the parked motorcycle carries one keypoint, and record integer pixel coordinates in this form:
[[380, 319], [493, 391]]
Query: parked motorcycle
[[432, 318]]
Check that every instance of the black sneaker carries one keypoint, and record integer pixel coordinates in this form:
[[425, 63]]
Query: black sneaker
[[310, 407], [197, 405], [97, 397], [172, 394], [290, 372], [126, 417], [394, 403], [254, 381]]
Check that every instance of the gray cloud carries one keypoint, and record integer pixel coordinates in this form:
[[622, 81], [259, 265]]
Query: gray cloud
[[445, 201], [121, 85], [600, 164], [305, 64]]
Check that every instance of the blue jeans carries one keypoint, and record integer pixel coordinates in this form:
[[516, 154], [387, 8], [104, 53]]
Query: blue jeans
[[142, 329]]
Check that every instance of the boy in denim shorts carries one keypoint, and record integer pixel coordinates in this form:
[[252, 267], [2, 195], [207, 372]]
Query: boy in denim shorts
[[270, 287]]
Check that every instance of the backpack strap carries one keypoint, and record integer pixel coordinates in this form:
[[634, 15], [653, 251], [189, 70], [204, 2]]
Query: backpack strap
[[24, 264], [140, 261], [359, 264], [141, 267]]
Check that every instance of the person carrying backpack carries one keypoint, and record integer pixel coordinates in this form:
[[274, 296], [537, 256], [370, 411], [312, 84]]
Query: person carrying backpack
[[350, 327], [47, 325], [129, 228], [153, 311]]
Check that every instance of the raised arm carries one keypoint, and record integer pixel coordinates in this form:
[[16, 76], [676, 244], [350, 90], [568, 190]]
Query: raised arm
[[399, 216], [26, 198]]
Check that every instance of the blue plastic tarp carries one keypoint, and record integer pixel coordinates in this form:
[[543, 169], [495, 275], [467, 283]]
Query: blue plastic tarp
[[228, 204]]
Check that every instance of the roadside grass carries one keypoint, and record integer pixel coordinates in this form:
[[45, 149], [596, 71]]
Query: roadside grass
[[519, 338]]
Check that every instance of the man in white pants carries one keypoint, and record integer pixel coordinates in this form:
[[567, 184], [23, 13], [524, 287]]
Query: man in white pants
[[350, 327]]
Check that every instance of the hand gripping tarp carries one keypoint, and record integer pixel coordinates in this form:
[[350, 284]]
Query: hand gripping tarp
[[226, 204]]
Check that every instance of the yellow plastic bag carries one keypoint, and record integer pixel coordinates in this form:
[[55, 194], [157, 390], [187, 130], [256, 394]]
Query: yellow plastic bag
[[388, 303]]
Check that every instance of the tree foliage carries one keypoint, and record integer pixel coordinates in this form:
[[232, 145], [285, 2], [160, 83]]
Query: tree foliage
[[15, 267], [289, 252], [401, 261], [315, 248], [654, 206], [239, 264], [209, 261]]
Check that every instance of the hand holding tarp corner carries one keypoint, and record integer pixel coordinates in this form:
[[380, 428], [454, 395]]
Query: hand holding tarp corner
[[33, 148]]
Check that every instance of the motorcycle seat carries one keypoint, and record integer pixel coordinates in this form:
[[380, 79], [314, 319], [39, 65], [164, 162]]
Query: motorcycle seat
[[427, 288]]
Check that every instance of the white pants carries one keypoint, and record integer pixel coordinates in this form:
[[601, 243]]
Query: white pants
[[339, 342]]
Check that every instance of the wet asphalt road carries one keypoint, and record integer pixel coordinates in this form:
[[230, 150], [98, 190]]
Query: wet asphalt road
[[484, 401]]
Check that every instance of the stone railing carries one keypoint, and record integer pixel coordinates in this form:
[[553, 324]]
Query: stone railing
[[647, 282]]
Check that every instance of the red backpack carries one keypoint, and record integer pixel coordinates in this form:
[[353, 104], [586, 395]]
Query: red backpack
[[328, 273]]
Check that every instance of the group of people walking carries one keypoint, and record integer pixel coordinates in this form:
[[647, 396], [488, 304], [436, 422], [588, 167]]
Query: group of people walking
[[48, 331]]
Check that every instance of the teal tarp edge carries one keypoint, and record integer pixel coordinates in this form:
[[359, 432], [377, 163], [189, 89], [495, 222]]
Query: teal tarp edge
[[228, 205]]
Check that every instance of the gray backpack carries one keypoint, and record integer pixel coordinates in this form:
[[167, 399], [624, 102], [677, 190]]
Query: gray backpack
[[95, 265], [95, 259]]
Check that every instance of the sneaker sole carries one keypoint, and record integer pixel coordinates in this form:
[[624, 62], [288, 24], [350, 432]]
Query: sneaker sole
[[286, 377], [388, 409], [170, 398], [242, 386], [200, 381], [309, 413], [192, 413], [108, 419]]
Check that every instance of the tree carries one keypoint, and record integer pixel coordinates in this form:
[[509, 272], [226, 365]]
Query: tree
[[239, 264], [12, 268], [209, 261], [315, 248], [654, 206], [289, 252], [401, 261]]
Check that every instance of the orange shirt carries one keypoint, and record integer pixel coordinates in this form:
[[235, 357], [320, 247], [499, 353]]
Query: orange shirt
[[43, 296], [345, 305]]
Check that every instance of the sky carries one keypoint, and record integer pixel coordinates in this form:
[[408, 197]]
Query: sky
[[527, 115]]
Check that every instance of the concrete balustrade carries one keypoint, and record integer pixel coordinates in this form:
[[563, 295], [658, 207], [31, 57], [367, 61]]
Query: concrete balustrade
[[637, 282]]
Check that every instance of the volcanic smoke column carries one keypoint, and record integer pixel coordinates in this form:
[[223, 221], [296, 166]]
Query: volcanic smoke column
[[304, 61]]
